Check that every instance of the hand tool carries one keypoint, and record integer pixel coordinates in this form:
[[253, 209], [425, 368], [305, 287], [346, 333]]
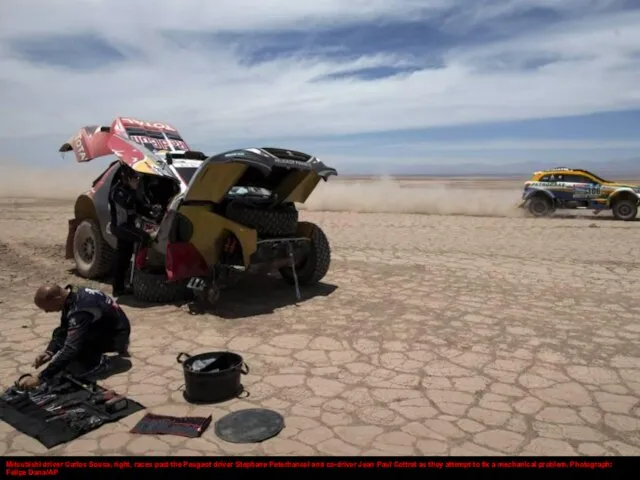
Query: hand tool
[[63, 405], [43, 400], [103, 397], [115, 404], [89, 387], [37, 397], [76, 412], [13, 396], [86, 424]]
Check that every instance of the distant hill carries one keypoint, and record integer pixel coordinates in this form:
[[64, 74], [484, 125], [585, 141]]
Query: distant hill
[[612, 168]]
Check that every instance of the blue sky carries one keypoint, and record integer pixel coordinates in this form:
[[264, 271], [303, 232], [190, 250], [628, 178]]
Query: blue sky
[[365, 84]]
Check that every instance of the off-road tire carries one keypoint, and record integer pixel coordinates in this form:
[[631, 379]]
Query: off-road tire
[[312, 269], [625, 210], [282, 221], [540, 206], [97, 264], [153, 287]]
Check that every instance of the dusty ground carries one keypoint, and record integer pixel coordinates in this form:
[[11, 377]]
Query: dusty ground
[[469, 330]]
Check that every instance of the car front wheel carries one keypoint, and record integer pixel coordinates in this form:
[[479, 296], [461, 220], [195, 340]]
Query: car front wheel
[[93, 255], [625, 210]]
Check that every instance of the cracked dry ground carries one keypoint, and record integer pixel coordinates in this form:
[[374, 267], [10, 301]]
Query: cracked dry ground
[[433, 335]]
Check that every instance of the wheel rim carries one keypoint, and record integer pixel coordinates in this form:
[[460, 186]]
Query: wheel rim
[[87, 250], [539, 207], [624, 210]]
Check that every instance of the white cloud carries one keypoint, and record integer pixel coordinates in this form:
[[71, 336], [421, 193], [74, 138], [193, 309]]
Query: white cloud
[[214, 97], [515, 145], [135, 17]]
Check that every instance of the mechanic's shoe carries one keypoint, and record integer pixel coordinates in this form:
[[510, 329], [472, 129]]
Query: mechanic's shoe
[[103, 367]]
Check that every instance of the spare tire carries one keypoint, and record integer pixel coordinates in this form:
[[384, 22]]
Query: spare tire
[[275, 222], [153, 287]]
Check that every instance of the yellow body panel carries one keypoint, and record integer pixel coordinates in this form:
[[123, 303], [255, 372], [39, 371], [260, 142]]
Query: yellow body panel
[[210, 230], [538, 175], [213, 183], [298, 186]]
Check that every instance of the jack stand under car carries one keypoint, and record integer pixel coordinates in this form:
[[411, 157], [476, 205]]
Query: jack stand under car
[[293, 271]]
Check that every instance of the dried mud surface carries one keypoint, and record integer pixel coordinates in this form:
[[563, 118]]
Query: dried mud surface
[[449, 324]]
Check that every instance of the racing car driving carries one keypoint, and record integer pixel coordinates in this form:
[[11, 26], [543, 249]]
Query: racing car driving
[[234, 211], [571, 188]]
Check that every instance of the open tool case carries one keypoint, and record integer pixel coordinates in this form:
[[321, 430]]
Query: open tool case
[[63, 410]]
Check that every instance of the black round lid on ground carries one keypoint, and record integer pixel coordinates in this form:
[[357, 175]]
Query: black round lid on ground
[[249, 426]]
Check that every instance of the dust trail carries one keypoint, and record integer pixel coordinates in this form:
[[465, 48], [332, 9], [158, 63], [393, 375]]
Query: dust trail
[[389, 196], [369, 196], [47, 183]]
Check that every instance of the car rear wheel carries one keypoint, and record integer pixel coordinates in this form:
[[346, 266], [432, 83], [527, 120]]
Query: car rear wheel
[[540, 207], [316, 265], [625, 210], [92, 254], [153, 287]]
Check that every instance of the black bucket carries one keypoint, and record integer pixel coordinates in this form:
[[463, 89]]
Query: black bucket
[[218, 381]]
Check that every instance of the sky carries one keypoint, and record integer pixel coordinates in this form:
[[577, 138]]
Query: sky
[[369, 86]]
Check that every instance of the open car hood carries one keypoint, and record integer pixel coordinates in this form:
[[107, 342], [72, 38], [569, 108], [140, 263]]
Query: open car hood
[[127, 138], [289, 175], [138, 144]]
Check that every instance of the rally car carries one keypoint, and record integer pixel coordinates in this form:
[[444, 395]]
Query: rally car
[[570, 188], [231, 211]]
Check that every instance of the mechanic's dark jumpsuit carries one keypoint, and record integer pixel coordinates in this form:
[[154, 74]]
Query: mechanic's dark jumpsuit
[[91, 324], [125, 206]]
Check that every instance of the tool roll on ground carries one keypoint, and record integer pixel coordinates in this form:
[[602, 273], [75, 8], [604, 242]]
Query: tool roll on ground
[[62, 410]]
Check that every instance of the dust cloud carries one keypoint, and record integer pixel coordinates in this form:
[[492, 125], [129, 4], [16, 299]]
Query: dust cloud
[[418, 197], [46, 183], [382, 195]]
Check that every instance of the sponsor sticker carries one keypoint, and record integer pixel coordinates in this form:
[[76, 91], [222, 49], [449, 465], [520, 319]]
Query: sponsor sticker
[[292, 163], [78, 146], [140, 123], [159, 144]]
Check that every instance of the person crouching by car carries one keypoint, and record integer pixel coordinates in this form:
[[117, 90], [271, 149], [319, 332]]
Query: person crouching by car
[[91, 324], [125, 206]]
